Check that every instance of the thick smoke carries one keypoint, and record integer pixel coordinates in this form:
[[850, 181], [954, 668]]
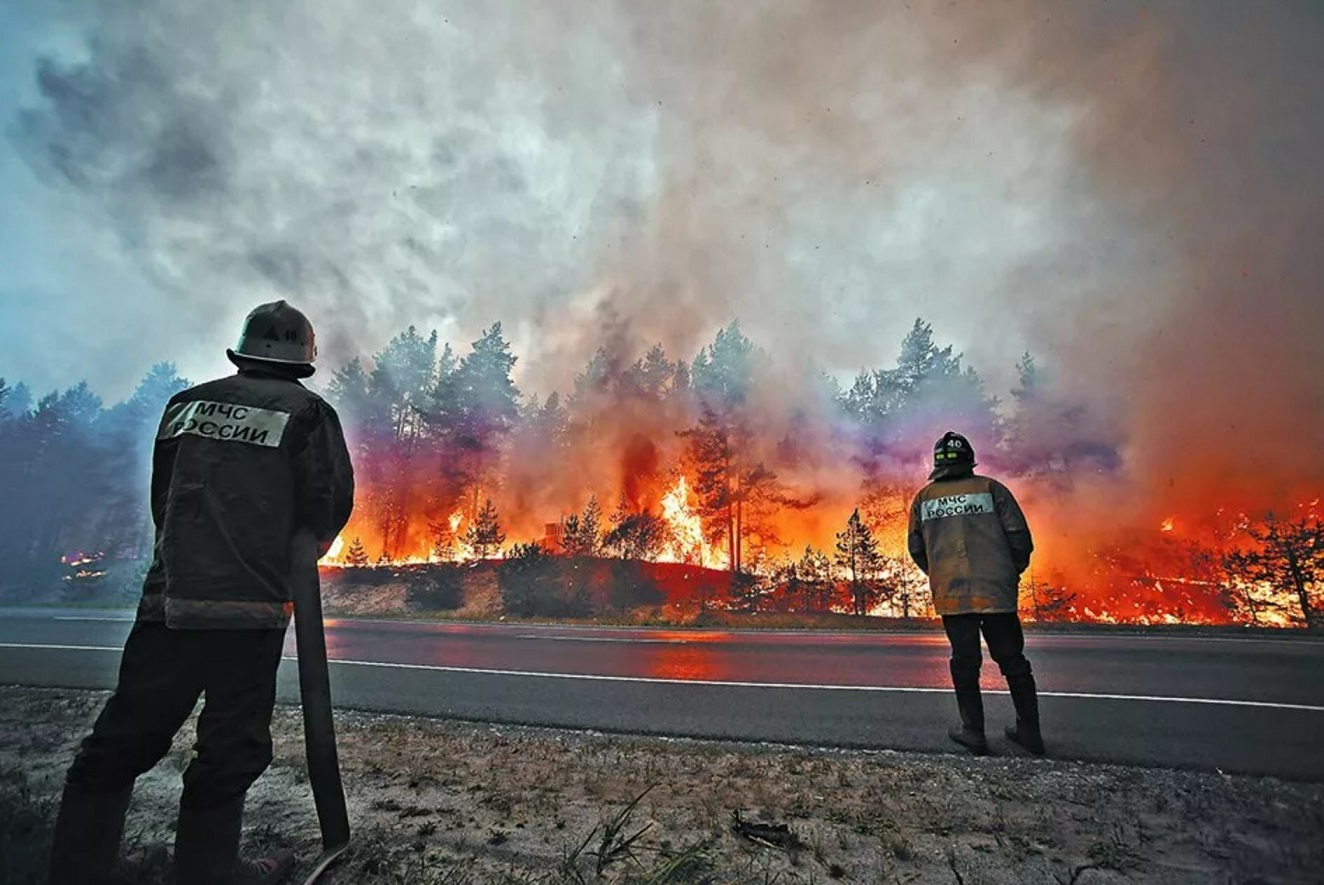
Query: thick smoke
[[1130, 192]]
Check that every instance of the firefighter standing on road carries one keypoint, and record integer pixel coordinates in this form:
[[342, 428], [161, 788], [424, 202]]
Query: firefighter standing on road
[[968, 534], [239, 465]]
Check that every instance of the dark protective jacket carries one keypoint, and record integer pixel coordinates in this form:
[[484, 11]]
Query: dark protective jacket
[[239, 464], [968, 534]]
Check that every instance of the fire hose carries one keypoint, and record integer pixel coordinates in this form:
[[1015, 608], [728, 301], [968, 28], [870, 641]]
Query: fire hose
[[319, 733]]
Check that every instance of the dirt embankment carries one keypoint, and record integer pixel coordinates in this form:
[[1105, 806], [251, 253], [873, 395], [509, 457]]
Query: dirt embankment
[[451, 802]]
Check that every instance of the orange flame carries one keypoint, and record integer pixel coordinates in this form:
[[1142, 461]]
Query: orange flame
[[688, 544]]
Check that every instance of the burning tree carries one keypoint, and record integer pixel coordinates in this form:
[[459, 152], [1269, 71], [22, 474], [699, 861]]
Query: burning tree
[[1288, 554], [811, 581], [357, 555], [582, 533], [402, 377], [730, 483], [484, 535], [1047, 602], [637, 535], [857, 554], [902, 584]]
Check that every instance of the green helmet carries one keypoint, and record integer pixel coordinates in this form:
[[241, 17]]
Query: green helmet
[[278, 335], [953, 450]]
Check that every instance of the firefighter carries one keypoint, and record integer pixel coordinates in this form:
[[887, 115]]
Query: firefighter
[[239, 465], [968, 534]]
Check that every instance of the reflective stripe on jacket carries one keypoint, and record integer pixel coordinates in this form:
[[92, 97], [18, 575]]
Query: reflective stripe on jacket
[[239, 464], [970, 537]]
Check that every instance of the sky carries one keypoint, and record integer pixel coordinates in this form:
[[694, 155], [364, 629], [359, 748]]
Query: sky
[[1131, 191]]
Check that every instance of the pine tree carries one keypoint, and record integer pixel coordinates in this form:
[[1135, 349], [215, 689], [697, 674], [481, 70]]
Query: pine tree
[[484, 535], [857, 553], [357, 555], [581, 534], [18, 401], [1287, 554], [1047, 601], [814, 573], [570, 535], [475, 409], [127, 433], [641, 536], [349, 393], [902, 409], [404, 373], [731, 483], [1027, 374], [651, 378], [590, 528], [902, 584]]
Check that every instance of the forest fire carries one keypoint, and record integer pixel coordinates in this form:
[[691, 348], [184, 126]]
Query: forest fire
[[728, 481], [728, 476], [83, 567]]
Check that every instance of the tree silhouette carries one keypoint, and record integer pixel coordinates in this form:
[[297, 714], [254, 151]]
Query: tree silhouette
[[813, 577], [899, 411], [582, 534], [857, 554], [484, 535], [357, 555], [642, 535], [1288, 554], [1047, 601], [731, 484]]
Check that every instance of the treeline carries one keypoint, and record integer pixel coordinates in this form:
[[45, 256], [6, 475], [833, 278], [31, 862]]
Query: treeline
[[438, 434], [74, 475], [444, 440], [455, 461]]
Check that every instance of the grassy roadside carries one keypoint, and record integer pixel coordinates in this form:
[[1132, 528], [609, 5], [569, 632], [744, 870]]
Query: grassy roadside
[[436, 801]]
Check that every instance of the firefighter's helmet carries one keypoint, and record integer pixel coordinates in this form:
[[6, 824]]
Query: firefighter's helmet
[[278, 335], [953, 450]]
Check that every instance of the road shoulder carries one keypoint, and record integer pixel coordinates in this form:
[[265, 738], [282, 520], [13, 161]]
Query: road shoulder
[[443, 801]]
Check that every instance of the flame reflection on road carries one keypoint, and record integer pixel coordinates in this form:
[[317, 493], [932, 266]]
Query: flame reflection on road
[[696, 661]]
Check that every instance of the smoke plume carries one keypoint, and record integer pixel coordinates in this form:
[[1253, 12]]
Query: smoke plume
[[1131, 192]]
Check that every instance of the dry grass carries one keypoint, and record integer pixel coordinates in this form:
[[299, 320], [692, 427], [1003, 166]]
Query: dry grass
[[446, 802]]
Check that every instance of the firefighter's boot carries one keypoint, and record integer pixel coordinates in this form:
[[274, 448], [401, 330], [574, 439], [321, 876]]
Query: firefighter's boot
[[1026, 700], [207, 850], [86, 844], [971, 733]]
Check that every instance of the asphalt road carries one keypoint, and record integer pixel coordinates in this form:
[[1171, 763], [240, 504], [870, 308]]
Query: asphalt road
[[1232, 704]]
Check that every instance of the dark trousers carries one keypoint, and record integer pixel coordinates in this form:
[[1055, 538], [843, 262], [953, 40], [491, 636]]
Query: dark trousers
[[162, 674], [1006, 645]]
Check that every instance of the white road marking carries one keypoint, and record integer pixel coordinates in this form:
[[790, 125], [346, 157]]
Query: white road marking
[[900, 689], [62, 647], [896, 689], [84, 618]]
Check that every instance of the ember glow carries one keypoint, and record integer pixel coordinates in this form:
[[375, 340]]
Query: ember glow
[[83, 567]]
